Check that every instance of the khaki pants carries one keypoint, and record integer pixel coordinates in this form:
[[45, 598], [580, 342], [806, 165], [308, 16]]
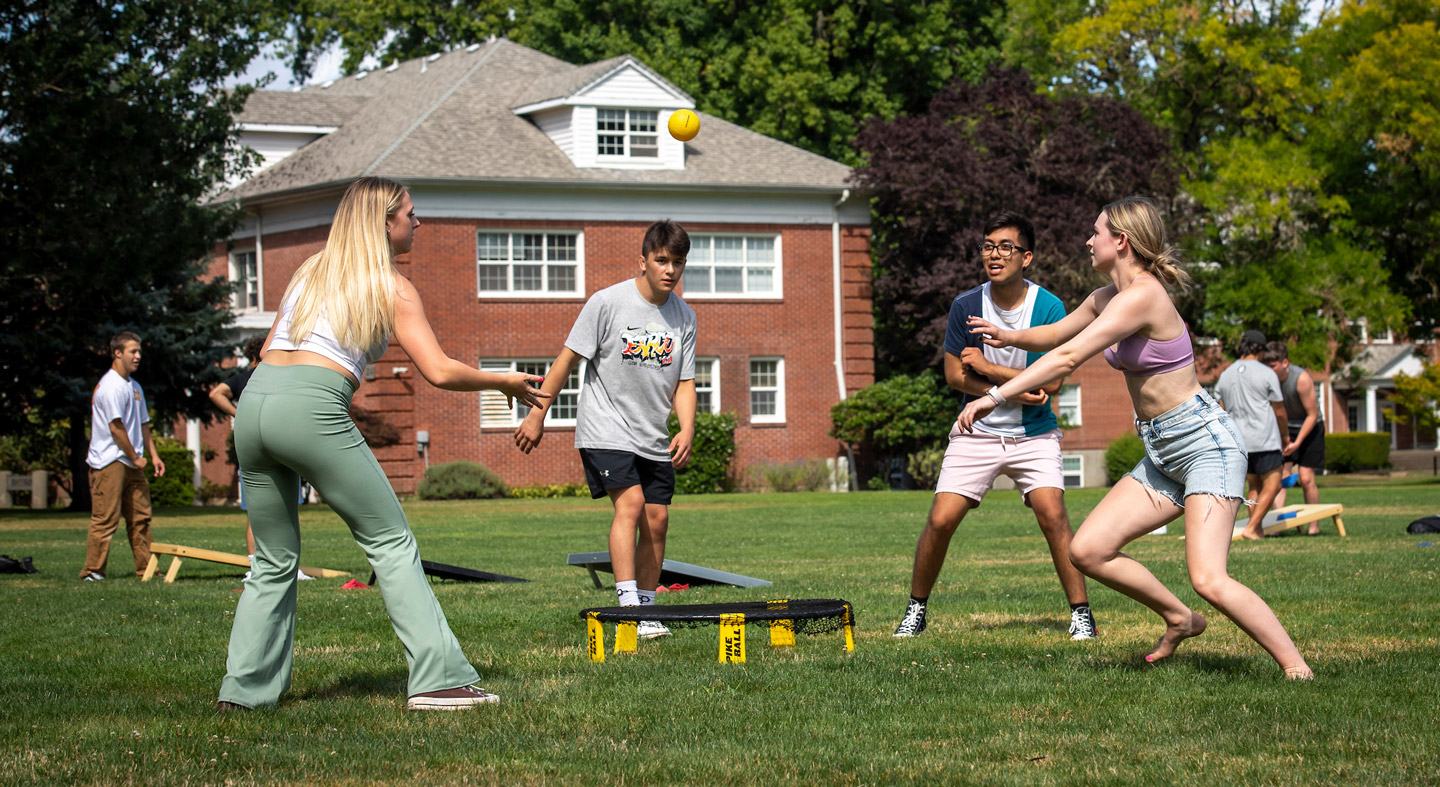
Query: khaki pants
[[117, 490]]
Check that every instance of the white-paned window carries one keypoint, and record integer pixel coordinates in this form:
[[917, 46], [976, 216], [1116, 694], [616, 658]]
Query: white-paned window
[[1069, 405], [495, 412], [707, 385], [529, 264], [631, 133], [733, 266], [1072, 470], [245, 275], [767, 390]]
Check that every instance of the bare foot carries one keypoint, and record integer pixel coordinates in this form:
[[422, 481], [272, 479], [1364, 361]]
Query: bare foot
[[1252, 535], [1174, 635], [1302, 672], [1314, 530]]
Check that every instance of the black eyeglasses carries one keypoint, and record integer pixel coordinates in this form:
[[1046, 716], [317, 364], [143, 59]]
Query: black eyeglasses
[[1006, 249]]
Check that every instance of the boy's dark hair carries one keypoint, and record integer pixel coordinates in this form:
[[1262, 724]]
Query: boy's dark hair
[[1275, 352], [666, 235], [117, 342], [253, 345], [1009, 218]]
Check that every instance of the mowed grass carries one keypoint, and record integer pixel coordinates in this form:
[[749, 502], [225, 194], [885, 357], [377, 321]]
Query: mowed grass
[[115, 682]]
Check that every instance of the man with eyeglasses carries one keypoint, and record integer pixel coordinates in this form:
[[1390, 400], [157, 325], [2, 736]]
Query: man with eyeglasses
[[1020, 438]]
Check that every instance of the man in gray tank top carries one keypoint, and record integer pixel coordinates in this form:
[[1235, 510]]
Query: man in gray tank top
[[1305, 448]]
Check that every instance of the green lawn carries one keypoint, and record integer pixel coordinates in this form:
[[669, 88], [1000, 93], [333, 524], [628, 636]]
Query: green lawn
[[115, 682]]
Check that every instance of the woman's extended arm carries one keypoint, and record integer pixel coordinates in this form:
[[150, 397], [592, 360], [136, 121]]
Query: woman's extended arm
[[1041, 338], [414, 333], [1125, 314]]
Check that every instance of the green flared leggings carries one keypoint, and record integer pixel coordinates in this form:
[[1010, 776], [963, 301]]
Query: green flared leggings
[[294, 421]]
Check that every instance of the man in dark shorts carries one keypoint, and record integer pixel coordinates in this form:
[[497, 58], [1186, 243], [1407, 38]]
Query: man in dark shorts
[[1250, 391], [1306, 447], [638, 337]]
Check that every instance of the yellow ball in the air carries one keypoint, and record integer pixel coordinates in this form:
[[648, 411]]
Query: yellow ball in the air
[[684, 125]]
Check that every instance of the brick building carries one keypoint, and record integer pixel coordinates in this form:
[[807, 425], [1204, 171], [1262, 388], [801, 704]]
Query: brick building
[[534, 181]]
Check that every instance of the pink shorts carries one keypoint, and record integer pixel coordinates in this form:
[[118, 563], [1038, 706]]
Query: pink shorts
[[973, 459]]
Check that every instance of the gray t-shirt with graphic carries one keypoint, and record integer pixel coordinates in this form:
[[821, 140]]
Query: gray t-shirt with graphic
[[1246, 389], [638, 353]]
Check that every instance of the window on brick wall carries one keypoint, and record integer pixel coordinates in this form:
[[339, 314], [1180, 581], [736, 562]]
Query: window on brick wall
[[1072, 470], [767, 390], [529, 264], [707, 385], [245, 276], [733, 266], [1068, 405], [495, 412]]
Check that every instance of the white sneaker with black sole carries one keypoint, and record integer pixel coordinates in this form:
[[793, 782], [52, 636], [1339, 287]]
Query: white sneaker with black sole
[[913, 624], [1082, 623], [94, 577], [651, 629]]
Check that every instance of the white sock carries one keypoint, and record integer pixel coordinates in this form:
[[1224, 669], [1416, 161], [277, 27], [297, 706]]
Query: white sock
[[252, 562], [647, 597], [626, 592]]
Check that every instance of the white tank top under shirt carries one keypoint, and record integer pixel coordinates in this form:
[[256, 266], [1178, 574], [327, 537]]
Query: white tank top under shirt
[[322, 341]]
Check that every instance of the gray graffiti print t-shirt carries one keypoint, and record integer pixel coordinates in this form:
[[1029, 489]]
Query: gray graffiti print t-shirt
[[638, 353]]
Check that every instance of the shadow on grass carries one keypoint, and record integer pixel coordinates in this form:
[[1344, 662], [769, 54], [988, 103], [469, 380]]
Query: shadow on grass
[[1053, 624], [356, 685]]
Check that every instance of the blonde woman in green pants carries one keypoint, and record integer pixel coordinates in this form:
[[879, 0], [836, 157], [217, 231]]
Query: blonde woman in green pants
[[339, 313]]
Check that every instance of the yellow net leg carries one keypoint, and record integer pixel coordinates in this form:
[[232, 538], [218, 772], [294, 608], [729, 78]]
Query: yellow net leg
[[595, 637], [782, 632], [732, 639], [849, 630], [625, 637]]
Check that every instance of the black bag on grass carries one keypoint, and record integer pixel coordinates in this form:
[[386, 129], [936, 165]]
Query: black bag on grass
[[1425, 524], [9, 565]]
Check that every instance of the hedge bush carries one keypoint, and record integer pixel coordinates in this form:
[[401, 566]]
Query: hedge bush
[[1121, 456], [176, 487], [538, 491], [924, 466], [1349, 451], [460, 481], [802, 475], [897, 416], [711, 455]]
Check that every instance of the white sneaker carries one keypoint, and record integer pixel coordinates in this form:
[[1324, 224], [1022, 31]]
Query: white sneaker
[[302, 575], [245, 578], [651, 629], [451, 699], [94, 576]]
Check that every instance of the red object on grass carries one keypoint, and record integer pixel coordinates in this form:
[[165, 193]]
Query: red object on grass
[[354, 584], [675, 588]]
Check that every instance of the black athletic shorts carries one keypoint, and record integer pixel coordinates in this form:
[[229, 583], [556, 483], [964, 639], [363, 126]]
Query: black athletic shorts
[[1262, 462], [1311, 453], [606, 470]]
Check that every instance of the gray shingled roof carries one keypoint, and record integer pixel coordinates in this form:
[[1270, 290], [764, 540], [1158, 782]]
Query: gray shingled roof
[[451, 119], [299, 108], [1376, 357], [569, 81]]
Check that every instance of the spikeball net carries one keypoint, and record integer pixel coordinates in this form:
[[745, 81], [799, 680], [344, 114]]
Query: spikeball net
[[783, 618]]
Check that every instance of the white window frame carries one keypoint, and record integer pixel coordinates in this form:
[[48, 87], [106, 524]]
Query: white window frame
[[495, 414], [510, 292], [694, 262], [629, 135], [1061, 405], [779, 416], [714, 389], [1078, 473], [238, 299]]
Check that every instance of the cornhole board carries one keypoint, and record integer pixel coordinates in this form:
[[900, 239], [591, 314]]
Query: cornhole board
[[671, 572], [459, 574], [1295, 516], [181, 553]]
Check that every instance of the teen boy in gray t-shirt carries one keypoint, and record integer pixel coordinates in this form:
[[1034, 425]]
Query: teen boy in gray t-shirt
[[639, 339]]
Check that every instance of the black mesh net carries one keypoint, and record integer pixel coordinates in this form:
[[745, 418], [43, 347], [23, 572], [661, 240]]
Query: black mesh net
[[806, 616]]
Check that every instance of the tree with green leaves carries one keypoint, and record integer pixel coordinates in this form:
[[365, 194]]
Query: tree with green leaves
[[1420, 396], [804, 71], [115, 130]]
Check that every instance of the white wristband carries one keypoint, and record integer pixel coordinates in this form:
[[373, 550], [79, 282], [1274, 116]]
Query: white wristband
[[995, 395]]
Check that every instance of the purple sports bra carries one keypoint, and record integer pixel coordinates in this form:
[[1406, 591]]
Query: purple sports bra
[[1137, 356]]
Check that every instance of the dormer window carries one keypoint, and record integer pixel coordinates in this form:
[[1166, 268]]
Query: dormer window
[[629, 133]]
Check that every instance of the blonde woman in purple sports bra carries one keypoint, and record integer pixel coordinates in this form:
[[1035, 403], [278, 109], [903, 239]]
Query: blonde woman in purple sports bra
[[1194, 459]]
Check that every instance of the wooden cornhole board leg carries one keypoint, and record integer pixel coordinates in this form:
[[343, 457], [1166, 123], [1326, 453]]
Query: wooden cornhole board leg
[[1297, 515], [214, 556]]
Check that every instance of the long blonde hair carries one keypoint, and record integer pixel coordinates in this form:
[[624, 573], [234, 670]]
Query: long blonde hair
[[1139, 220], [352, 280]]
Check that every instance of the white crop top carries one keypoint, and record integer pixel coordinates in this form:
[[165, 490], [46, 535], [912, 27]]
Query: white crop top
[[322, 341]]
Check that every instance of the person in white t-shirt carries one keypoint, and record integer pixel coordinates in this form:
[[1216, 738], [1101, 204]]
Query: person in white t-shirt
[[120, 440]]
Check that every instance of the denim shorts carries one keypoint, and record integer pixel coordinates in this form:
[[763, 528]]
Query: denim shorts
[[1193, 449]]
